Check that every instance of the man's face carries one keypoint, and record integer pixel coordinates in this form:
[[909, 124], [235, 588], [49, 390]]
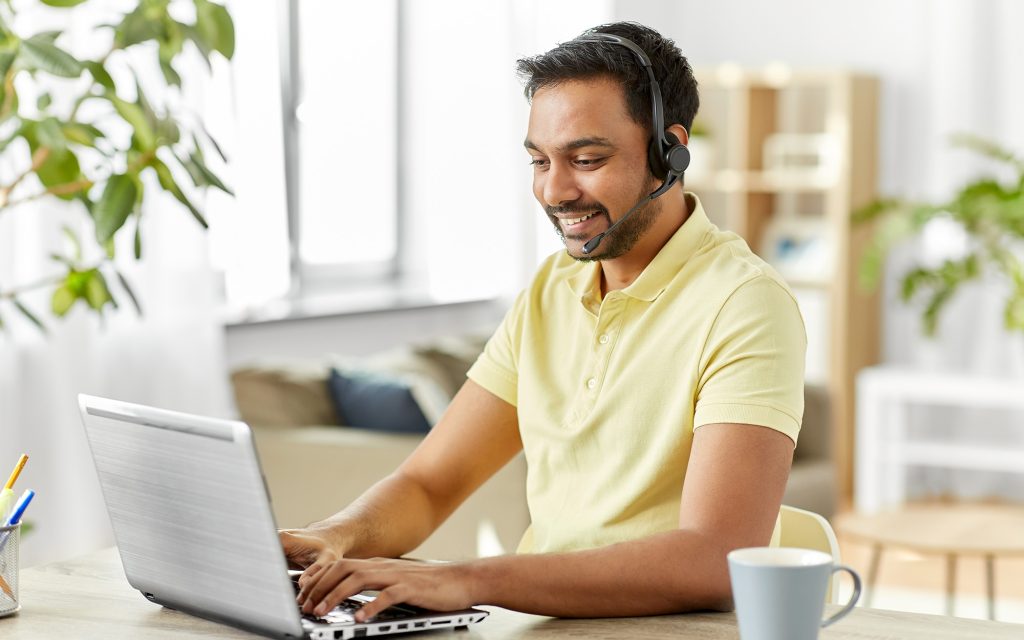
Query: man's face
[[590, 165]]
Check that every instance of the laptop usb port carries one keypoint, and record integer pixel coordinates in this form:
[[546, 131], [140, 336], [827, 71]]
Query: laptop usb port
[[360, 633]]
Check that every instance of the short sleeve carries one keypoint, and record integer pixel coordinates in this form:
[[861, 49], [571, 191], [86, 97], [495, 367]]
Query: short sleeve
[[752, 366], [497, 368]]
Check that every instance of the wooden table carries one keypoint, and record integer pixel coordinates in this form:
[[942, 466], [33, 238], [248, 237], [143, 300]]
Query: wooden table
[[950, 530], [88, 598]]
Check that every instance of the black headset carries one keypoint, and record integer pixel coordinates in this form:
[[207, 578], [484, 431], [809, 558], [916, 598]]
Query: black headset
[[667, 156]]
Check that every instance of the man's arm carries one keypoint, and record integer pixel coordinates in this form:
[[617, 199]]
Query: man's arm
[[476, 437], [731, 497]]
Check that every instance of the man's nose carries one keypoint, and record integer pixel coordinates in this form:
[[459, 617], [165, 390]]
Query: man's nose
[[560, 186]]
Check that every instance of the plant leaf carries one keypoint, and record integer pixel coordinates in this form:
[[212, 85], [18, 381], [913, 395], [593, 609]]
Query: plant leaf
[[138, 26], [205, 48], [166, 178], [986, 148], [171, 76], [61, 168], [195, 163], [114, 206], [136, 117], [215, 27], [28, 314], [81, 133], [128, 289], [62, 301], [38, 53], [100, 75], [50, 135], [6, 61], [138, 240], [97, 294], [63, 3]]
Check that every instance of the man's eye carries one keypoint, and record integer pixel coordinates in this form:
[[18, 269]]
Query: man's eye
[[588, 162], [540, 163]]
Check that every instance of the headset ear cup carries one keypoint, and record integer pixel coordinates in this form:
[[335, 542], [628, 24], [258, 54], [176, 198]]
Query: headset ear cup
[[663, 159]]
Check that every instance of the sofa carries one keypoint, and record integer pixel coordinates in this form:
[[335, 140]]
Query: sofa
[[314, 465]]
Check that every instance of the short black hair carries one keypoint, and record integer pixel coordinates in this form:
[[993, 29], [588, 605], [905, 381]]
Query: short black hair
[[579, 60]]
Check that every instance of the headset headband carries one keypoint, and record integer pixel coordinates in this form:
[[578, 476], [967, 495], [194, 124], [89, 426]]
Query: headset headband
[[656, 102]]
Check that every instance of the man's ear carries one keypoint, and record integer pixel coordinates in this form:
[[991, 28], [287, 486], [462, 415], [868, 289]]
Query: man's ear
[[680, 132]]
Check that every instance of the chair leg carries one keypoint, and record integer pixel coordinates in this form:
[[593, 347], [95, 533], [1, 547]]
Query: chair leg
[[990, 585], [950, 582], [872, 577]]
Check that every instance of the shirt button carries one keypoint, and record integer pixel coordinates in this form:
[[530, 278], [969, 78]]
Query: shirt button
[[603, 339], [591, 383]]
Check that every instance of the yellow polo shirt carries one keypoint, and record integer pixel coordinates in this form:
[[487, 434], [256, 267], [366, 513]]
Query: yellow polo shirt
[[608, 391]]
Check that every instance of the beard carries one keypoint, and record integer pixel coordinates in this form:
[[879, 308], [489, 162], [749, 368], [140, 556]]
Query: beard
[[619, 242]]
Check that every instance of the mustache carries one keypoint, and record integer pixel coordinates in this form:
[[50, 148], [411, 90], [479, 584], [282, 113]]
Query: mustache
[[576, 207]]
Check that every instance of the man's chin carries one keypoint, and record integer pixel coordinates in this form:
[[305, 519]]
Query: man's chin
[[575, 251]]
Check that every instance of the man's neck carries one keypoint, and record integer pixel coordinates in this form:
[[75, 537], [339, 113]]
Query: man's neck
[[620, 272]]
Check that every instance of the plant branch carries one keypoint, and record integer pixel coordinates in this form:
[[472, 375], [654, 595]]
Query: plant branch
[[67, 188], [38, 158], [13, 293], [5, 108]]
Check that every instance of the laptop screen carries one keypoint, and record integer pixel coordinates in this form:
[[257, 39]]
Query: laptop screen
[[191, 515]]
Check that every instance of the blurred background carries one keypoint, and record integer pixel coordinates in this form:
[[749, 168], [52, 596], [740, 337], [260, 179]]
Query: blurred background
[[371, 217]]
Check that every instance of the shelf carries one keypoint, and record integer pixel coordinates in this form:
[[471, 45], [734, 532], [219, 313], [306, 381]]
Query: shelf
[[734, 181], [785, 144], [954, 456], [806, 283]]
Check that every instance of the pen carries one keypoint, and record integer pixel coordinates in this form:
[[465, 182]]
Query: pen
[[15, 517], [7, 493]]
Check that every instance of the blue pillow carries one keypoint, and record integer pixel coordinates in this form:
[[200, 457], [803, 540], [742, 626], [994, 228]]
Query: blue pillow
[[374, 401]]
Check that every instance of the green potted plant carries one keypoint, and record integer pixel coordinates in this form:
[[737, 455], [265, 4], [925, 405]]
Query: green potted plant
[[990, 210], [63, 120]]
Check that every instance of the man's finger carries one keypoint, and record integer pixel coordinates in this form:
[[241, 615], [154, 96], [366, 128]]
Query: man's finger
[[350, 584], [384, 599], [323, 583]]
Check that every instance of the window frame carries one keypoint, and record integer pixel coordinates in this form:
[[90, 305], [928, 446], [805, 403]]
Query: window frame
[[312, 279]]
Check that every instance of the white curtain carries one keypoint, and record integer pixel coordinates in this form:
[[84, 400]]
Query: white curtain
[[172, 356]]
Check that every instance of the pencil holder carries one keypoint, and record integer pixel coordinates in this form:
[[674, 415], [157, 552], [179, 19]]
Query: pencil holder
[[10, 537]]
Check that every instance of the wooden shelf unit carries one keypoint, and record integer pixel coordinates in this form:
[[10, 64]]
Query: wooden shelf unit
[[777, 206]]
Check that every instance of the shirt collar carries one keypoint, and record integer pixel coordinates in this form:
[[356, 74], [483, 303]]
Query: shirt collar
[[684, 243]]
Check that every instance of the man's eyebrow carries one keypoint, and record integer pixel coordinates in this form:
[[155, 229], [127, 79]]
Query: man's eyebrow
[[575, 144]]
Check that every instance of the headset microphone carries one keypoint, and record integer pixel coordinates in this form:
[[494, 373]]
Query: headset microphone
[[591, 244]]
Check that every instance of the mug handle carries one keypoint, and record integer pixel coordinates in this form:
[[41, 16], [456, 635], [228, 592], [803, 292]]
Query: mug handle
[[853, 599]]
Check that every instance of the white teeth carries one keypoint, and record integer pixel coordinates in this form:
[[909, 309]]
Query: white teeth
[[571, 221]]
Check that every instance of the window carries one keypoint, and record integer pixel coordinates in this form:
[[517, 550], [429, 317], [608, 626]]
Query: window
[[341, 97]]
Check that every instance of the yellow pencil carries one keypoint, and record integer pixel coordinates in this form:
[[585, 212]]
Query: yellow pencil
[[7, 493], [17, 471], [6, 588]]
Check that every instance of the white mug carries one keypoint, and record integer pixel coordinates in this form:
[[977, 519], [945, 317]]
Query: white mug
[[779, 592]]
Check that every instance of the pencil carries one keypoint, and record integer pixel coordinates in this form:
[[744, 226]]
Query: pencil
[[7, 588], [17, 471]]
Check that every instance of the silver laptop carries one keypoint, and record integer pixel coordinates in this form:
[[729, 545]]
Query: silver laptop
[[192, 519]]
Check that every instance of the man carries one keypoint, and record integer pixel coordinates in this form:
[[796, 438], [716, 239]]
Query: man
[[654, 381]]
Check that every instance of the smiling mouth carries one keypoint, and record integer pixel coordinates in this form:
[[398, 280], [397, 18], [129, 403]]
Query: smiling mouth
[[569, 222]]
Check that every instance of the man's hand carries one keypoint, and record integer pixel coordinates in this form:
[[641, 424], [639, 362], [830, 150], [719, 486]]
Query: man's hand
[[442, 587], [303, 547]]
